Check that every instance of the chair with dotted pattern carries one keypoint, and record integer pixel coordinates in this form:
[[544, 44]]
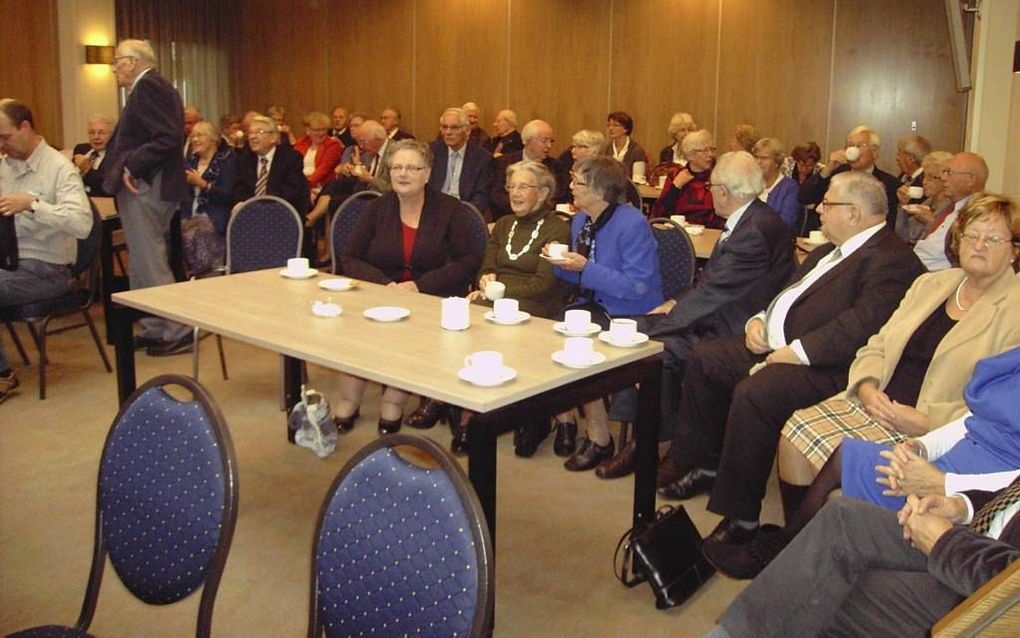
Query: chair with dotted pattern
[[344, 221], [402, 547], [166, 502], [677, 259]]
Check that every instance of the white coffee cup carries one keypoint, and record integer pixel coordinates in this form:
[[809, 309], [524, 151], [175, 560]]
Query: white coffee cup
[[578, 349], [622, 330], [297, 265], [853, 154], [506, 309], [662, 181], [565, 208], [577, 320], [678, 219], [455, 314], [484, 363], [359, 169], [694, 229], [556, 250], [915, 192], [494, 290], [816, 237], [637, 172]]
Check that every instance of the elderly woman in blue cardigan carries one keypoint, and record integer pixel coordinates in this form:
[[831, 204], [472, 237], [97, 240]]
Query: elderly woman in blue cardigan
[[613, 262]]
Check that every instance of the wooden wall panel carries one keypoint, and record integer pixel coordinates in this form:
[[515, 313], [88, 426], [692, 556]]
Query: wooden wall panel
[[774, 68], [663, 60], [893, 66], [30, 71], [460, 56], [559, 64]]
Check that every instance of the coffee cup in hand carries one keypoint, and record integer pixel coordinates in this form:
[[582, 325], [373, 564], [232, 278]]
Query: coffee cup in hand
[[915, 192], [494, 290], [853, 154], [816, 237], [556, 250]]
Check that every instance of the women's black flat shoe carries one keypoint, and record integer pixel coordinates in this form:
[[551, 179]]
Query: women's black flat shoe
[[427, 414], [565, 442], [389, 427], [345, 423]]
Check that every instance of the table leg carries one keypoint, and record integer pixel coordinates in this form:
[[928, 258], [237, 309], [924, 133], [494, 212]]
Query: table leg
[[482, 468], [647, 436], [106, 268], [291, 388], [121, 321], [177, 248]]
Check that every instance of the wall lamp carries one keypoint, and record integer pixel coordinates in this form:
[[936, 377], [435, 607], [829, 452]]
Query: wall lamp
[[96, 54]]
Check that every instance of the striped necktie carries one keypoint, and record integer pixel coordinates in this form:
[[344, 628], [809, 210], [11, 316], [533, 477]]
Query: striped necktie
[[1002, 501], [263, 180]]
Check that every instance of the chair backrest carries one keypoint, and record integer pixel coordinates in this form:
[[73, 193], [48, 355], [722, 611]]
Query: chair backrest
[[677, 259], [344, 221], [479, 228], [167, 498], [633, 196], [401, 548], [264, 233], [88, 248], [993, 610]]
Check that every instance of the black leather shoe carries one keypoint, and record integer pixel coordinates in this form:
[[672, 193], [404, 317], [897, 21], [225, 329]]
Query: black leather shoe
[[530, 437], [459, 444], [344, 424], [144, 343], [565, 443], [589, 455], [427, 414], [690, 484], [742, 561], [620, 465], [389, 427], [668, 471], [729, 532], [169, 348]]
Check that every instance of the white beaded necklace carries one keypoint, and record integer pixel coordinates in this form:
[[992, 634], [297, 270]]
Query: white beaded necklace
[[527, 247], [959, 306]]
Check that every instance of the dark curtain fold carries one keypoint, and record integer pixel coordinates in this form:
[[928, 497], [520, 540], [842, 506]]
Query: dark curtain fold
[[192, 40]]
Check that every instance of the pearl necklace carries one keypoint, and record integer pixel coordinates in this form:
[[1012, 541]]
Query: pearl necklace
[[956, 297], [527, 247]]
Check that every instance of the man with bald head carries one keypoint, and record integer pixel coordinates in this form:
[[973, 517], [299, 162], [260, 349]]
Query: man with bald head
[[88, 157], [538, 139], [144, 169], [965, 175]]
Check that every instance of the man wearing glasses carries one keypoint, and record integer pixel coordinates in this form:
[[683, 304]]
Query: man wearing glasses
[[144, 170], [460, 169], [965, 175], [538, 140]]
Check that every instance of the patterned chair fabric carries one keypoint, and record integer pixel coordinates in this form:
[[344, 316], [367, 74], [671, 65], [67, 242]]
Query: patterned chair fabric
[[264, 233], [344, 221], [677, 259], [479, 227], [401, 549], [167, 502]]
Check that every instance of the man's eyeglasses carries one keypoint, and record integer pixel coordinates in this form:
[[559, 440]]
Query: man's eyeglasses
[[450, 127], [575, 180], [948, 172], [258, 132], [400, 168], [828, 204], [991, 240], [580, 146], [706, 149], [117, 58], [859, 145], [520, 187]]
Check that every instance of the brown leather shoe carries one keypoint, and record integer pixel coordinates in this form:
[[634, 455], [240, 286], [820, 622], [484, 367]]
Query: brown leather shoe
[[620, 465], [589, 455], [668, 471]]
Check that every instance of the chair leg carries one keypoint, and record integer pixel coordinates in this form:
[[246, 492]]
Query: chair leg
[[95, 338], [194, 356], [40, 336], [35, 337], [17, 343], [223, 359]]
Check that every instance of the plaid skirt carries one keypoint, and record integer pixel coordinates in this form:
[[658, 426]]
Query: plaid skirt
[[817, 431]]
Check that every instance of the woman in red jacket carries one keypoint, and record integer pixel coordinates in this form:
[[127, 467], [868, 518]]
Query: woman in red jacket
[[321, 152]]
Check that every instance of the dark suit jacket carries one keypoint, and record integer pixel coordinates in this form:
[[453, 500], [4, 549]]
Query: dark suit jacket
[[813, 190], [481, 138], [838, 314], [346, 138], [743, 274], [475, 173], [445, 258], [286, 178], [93, 177], [149, 139], [505, 144], [499, 201], [401, 135]]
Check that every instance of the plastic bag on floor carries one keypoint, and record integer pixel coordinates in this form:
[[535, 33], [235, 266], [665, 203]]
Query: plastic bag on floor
[[312, 420]]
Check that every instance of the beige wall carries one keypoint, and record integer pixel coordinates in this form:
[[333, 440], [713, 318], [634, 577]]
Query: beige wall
[[29, 68], [87, 89]]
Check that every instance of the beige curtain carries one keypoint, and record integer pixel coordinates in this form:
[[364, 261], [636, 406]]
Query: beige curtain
[[192, 40]]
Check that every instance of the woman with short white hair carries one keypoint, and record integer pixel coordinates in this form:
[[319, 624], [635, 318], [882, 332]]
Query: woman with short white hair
[[680, 126], [780, 191]]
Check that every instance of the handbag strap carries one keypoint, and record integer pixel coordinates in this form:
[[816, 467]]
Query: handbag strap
[[622, 567]]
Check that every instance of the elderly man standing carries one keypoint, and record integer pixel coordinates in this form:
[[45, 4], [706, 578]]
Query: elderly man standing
[[88, 157], [965, 175], [538, 142], [477, 134], [799, 348], [865, 144], [145, 172], [390, 119], [44, 194], [460, 169]]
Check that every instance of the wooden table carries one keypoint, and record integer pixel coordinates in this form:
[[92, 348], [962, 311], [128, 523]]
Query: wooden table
[[266, 310], [648, 191]]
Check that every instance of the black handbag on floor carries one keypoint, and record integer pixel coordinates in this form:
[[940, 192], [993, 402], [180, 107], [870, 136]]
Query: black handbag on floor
[[667, 554]]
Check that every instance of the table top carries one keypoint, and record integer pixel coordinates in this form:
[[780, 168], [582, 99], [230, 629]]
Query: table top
[[106, 206], [415, 354], [648, 191]]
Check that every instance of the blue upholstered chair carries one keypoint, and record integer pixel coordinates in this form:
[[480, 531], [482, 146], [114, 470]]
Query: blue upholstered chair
[[401, 547], [84, 274], [677, 259], [479, 227], [344, 221], [166, 503]]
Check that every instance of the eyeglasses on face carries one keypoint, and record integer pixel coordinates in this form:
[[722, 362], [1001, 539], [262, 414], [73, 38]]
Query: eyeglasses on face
[[400, 168], [450, 127], [118, 58], [949, 172], [972, 237], [575, 180], [705, 149], [829, 204], [520, 187]]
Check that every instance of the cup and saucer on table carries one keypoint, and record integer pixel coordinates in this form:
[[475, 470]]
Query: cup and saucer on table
[[486, 368], [578, 352], [297, 268], [623, 333], [577, 323], [506, 312], [338, 284]]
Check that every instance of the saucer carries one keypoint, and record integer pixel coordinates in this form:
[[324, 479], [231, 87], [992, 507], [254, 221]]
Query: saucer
[[551, 260], [561, 328], [339, 284], [311, 272], [636, 340], [505, 374], [521, 318], [387, 313], [694, 229], [560, 357]]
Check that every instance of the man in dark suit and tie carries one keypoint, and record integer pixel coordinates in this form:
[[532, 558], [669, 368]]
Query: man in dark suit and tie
[[390, 119], [739, 391], [144, 170], [538, 142], [341, 129], [88, 157], [749, 264], [460, 169]]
